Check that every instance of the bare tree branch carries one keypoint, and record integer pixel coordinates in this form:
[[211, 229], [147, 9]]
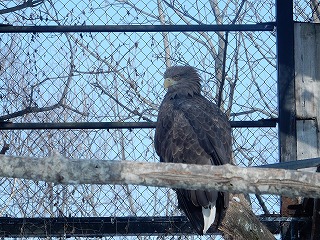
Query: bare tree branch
[[60, 103], [180, 13], [261, 50], [252, 110], [233, 83], [116, 71], [29, 110], [224, 59], [262, 204], [139, 10], [164, 35], [203, 34], [25, 4], [134, 112], [4, 148]]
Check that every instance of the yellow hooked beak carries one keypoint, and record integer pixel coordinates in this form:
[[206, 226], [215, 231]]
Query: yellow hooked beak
[[169, 82]]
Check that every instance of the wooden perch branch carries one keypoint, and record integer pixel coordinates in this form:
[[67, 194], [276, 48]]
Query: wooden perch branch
[[240, 223], [230, 178]]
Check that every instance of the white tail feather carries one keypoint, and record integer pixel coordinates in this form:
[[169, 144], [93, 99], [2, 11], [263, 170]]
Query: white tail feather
[[209, 215]]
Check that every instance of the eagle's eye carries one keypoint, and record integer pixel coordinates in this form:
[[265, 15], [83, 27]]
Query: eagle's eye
[[177, 76]]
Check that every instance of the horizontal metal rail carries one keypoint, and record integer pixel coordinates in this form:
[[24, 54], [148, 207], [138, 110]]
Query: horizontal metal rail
[[139, 28], [294, 165], [114, 226], [119, 125]]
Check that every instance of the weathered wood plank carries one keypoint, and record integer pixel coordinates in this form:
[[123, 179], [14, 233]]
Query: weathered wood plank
[[307, 86], [307, 91]]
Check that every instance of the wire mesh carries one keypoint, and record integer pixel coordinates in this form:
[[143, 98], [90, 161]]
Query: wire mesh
[[87, 77], [306, 11]]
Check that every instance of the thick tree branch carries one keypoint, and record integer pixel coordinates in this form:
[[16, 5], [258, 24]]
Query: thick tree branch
[[240, 222], [230, 178]]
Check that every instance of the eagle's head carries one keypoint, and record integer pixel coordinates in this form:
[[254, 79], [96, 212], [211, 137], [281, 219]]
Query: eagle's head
[[183, 80]]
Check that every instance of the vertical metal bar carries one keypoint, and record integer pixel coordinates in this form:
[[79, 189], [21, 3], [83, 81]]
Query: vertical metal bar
[[286, 95]]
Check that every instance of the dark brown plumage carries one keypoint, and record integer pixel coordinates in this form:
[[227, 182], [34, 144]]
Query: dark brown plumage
[[191, 129]]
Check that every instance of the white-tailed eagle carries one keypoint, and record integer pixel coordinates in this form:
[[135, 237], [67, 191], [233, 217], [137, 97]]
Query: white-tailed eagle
[[191, 129]]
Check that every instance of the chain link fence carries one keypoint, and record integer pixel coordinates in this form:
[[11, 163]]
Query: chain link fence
[[117, 77]]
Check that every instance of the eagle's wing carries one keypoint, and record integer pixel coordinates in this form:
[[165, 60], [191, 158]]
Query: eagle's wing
[[193, 130], [210, 125]]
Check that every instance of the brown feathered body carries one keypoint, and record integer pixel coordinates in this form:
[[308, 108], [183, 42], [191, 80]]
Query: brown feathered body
[[191, 129]]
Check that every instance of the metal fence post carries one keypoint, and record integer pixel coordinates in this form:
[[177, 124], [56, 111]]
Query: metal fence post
[[286, 96]]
